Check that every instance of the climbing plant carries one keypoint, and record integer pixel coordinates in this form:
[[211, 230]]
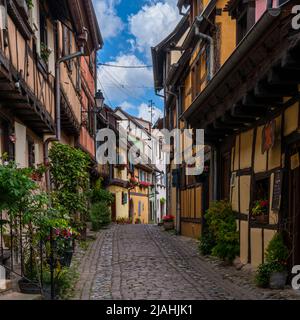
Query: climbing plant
[[69, 170]]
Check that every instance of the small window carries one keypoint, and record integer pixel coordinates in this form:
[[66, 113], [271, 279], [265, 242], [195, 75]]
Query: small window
[[31, 153], [261, 205], [124, 198]]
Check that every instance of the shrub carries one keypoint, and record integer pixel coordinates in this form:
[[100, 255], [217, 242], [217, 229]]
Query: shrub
[[222, 229], [100, 215], [277, 251], [207, 243], [99, 194], [276, 259]]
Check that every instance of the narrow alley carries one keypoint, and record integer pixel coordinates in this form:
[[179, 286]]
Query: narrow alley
[[139, 262]]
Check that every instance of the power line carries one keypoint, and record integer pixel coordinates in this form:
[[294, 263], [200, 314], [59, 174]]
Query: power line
[[123, 89], [126, 85], [124, 67]]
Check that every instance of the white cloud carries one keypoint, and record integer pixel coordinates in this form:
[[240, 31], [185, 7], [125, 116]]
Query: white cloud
[[121, 84], [127, 106], [153, 23], [145, 113], [110, 24]]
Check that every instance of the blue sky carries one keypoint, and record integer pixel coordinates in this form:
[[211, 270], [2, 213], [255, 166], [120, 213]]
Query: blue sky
[[129, 29]]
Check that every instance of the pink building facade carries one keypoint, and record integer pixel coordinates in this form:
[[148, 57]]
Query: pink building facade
[[261, 6]]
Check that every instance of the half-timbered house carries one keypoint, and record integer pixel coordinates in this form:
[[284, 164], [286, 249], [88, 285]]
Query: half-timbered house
[[245, 95]]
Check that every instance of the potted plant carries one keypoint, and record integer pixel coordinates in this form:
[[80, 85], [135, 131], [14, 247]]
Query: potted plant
[[45, 52], [133, 181], [168, 222], [138, 221], [273, 272], [260, 211]]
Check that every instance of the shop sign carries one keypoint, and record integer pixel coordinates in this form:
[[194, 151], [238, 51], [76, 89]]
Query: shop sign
[[277, 191], [268, 136], [295, 162]]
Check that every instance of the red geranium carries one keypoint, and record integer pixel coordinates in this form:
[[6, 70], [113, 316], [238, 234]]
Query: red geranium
[[169, 218]]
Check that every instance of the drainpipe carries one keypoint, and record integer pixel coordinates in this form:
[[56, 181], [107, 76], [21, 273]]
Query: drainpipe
[[210, 40]]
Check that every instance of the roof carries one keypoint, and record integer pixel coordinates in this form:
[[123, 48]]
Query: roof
[[133, 119], [158, 52]]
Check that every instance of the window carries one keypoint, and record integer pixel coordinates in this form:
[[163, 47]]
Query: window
[[31, 153], [43, 28], [261, 206], [124, 198], [67, 45], [245, 17]]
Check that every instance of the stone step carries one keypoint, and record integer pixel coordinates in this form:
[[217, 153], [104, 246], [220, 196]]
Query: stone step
[[17, 296]]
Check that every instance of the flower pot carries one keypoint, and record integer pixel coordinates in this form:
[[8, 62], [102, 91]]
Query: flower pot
[[278, 280], [168, 225], [27, 287]]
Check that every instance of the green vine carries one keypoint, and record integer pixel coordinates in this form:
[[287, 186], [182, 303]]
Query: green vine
[[69, 174]]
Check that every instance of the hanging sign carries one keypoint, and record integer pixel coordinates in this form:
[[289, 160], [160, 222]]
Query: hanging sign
[[277, 191], [268, 136], [295, 162]]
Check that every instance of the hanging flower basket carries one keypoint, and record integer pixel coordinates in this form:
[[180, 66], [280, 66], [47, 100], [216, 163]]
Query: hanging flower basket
[[145, 184]]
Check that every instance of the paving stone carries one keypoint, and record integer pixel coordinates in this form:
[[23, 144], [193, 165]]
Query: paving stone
[[139, 262]]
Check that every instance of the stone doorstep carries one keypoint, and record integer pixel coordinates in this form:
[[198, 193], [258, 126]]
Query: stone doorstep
[[17, 296]]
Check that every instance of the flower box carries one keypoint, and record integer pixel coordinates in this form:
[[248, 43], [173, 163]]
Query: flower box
[[168, 222], [169, 225]]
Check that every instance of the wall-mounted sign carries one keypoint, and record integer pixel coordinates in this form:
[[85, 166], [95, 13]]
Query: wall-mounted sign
[[233, 179], [295, 162], [277, 191], [268, 136]]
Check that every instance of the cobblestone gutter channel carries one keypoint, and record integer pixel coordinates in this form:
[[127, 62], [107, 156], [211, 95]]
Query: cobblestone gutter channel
[[137, 262]]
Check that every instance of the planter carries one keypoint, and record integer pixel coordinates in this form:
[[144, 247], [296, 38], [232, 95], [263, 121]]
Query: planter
[[168, 225], [262, 219], [27, 287], [66, 260], [278, 280]]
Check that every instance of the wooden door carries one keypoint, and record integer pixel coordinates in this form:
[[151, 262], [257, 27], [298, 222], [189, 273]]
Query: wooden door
[[225, 176], [294, 206]]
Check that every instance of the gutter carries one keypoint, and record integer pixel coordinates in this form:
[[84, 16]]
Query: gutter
[[244, 46]]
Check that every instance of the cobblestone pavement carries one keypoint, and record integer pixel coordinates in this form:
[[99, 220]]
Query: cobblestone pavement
[[138, 262]]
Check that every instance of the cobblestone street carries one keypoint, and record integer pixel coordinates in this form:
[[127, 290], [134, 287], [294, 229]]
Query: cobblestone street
[[138, 262]]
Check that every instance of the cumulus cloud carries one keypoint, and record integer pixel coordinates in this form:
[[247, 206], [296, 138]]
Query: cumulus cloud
[[121, 84], [145, 113], [110, 23], [153, 23]]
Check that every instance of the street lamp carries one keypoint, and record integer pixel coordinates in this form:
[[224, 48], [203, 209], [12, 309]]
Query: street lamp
[[99, 98]]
